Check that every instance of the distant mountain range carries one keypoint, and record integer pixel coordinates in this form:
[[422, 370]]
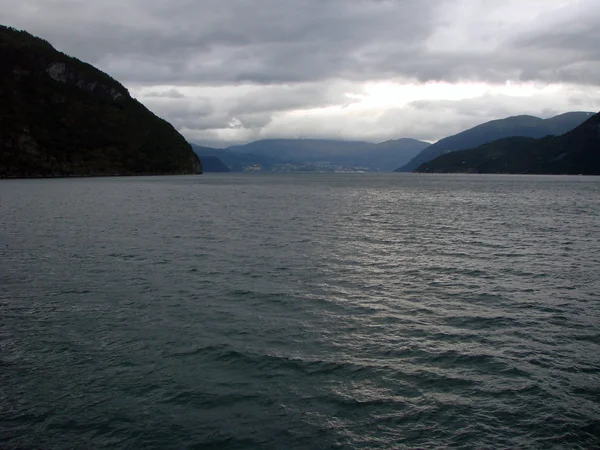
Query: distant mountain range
[[300, 155], [316, 154], [214, 164], [62, 117], [526, 126], [236, 162], [575, 152]]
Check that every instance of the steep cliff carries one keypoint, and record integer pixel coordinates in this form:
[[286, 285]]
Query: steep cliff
[[62, 117]]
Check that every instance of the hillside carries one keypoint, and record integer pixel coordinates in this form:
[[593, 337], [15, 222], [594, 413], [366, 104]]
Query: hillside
[[526, 126], [62, 117], [213, 164], [575, 152], [236, 162], [384, 156]]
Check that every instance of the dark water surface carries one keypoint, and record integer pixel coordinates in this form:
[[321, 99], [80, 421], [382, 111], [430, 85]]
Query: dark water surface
[[300, 311]]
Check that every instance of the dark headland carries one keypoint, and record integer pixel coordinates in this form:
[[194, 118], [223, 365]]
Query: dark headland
[[525, 126], [62, 117], [575, 152]]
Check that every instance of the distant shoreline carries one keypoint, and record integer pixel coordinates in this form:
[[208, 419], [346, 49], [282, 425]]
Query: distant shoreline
[[47, 177]]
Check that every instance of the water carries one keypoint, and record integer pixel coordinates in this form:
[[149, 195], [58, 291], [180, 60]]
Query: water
[[300, 311]]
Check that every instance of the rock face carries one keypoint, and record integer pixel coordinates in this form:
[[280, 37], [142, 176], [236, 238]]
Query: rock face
[[62, 117], [575, 152]]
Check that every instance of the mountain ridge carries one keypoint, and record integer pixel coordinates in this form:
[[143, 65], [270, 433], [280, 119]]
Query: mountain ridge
[[520, 125], [383, 156], [234, 161], [60, 116], [574, 152], [214, 164]]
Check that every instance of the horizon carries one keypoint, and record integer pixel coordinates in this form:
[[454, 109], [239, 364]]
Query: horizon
[[308, 138]]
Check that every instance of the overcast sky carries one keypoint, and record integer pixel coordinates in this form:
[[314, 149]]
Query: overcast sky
[[231, 71]]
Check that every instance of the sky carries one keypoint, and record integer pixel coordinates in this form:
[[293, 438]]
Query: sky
[[233, 71]]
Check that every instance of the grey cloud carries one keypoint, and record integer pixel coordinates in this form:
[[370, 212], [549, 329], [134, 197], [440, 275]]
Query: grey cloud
[[288, 97], [305, 54], [420, 120], [170, 93], [426, 120], [235, 41], [254, 120], [252, 106], [270, 41]]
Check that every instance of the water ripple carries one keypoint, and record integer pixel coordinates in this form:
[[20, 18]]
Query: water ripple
[[232, 311]]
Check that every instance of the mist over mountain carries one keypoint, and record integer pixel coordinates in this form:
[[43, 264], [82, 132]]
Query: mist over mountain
[[284, 155], [62, 117], [236, 162], [214, 164], [575, 152], [383, 157], [526, 126]]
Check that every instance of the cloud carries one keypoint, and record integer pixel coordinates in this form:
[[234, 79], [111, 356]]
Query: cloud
[[268, 41], [379, 112], [307, 68], [169, 93]]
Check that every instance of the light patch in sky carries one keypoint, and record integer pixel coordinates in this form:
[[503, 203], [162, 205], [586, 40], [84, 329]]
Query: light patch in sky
[[394, 95], [234, 123], [374, 111]]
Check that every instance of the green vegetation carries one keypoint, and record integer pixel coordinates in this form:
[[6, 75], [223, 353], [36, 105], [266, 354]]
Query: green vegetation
[[62, 117], [576, 152]]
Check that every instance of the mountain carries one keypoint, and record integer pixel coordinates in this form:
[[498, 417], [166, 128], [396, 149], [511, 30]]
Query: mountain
[[575, 152], [213, 164], [389, 154], [62, 117], [236, 162], [375, 157], [526, 126]]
